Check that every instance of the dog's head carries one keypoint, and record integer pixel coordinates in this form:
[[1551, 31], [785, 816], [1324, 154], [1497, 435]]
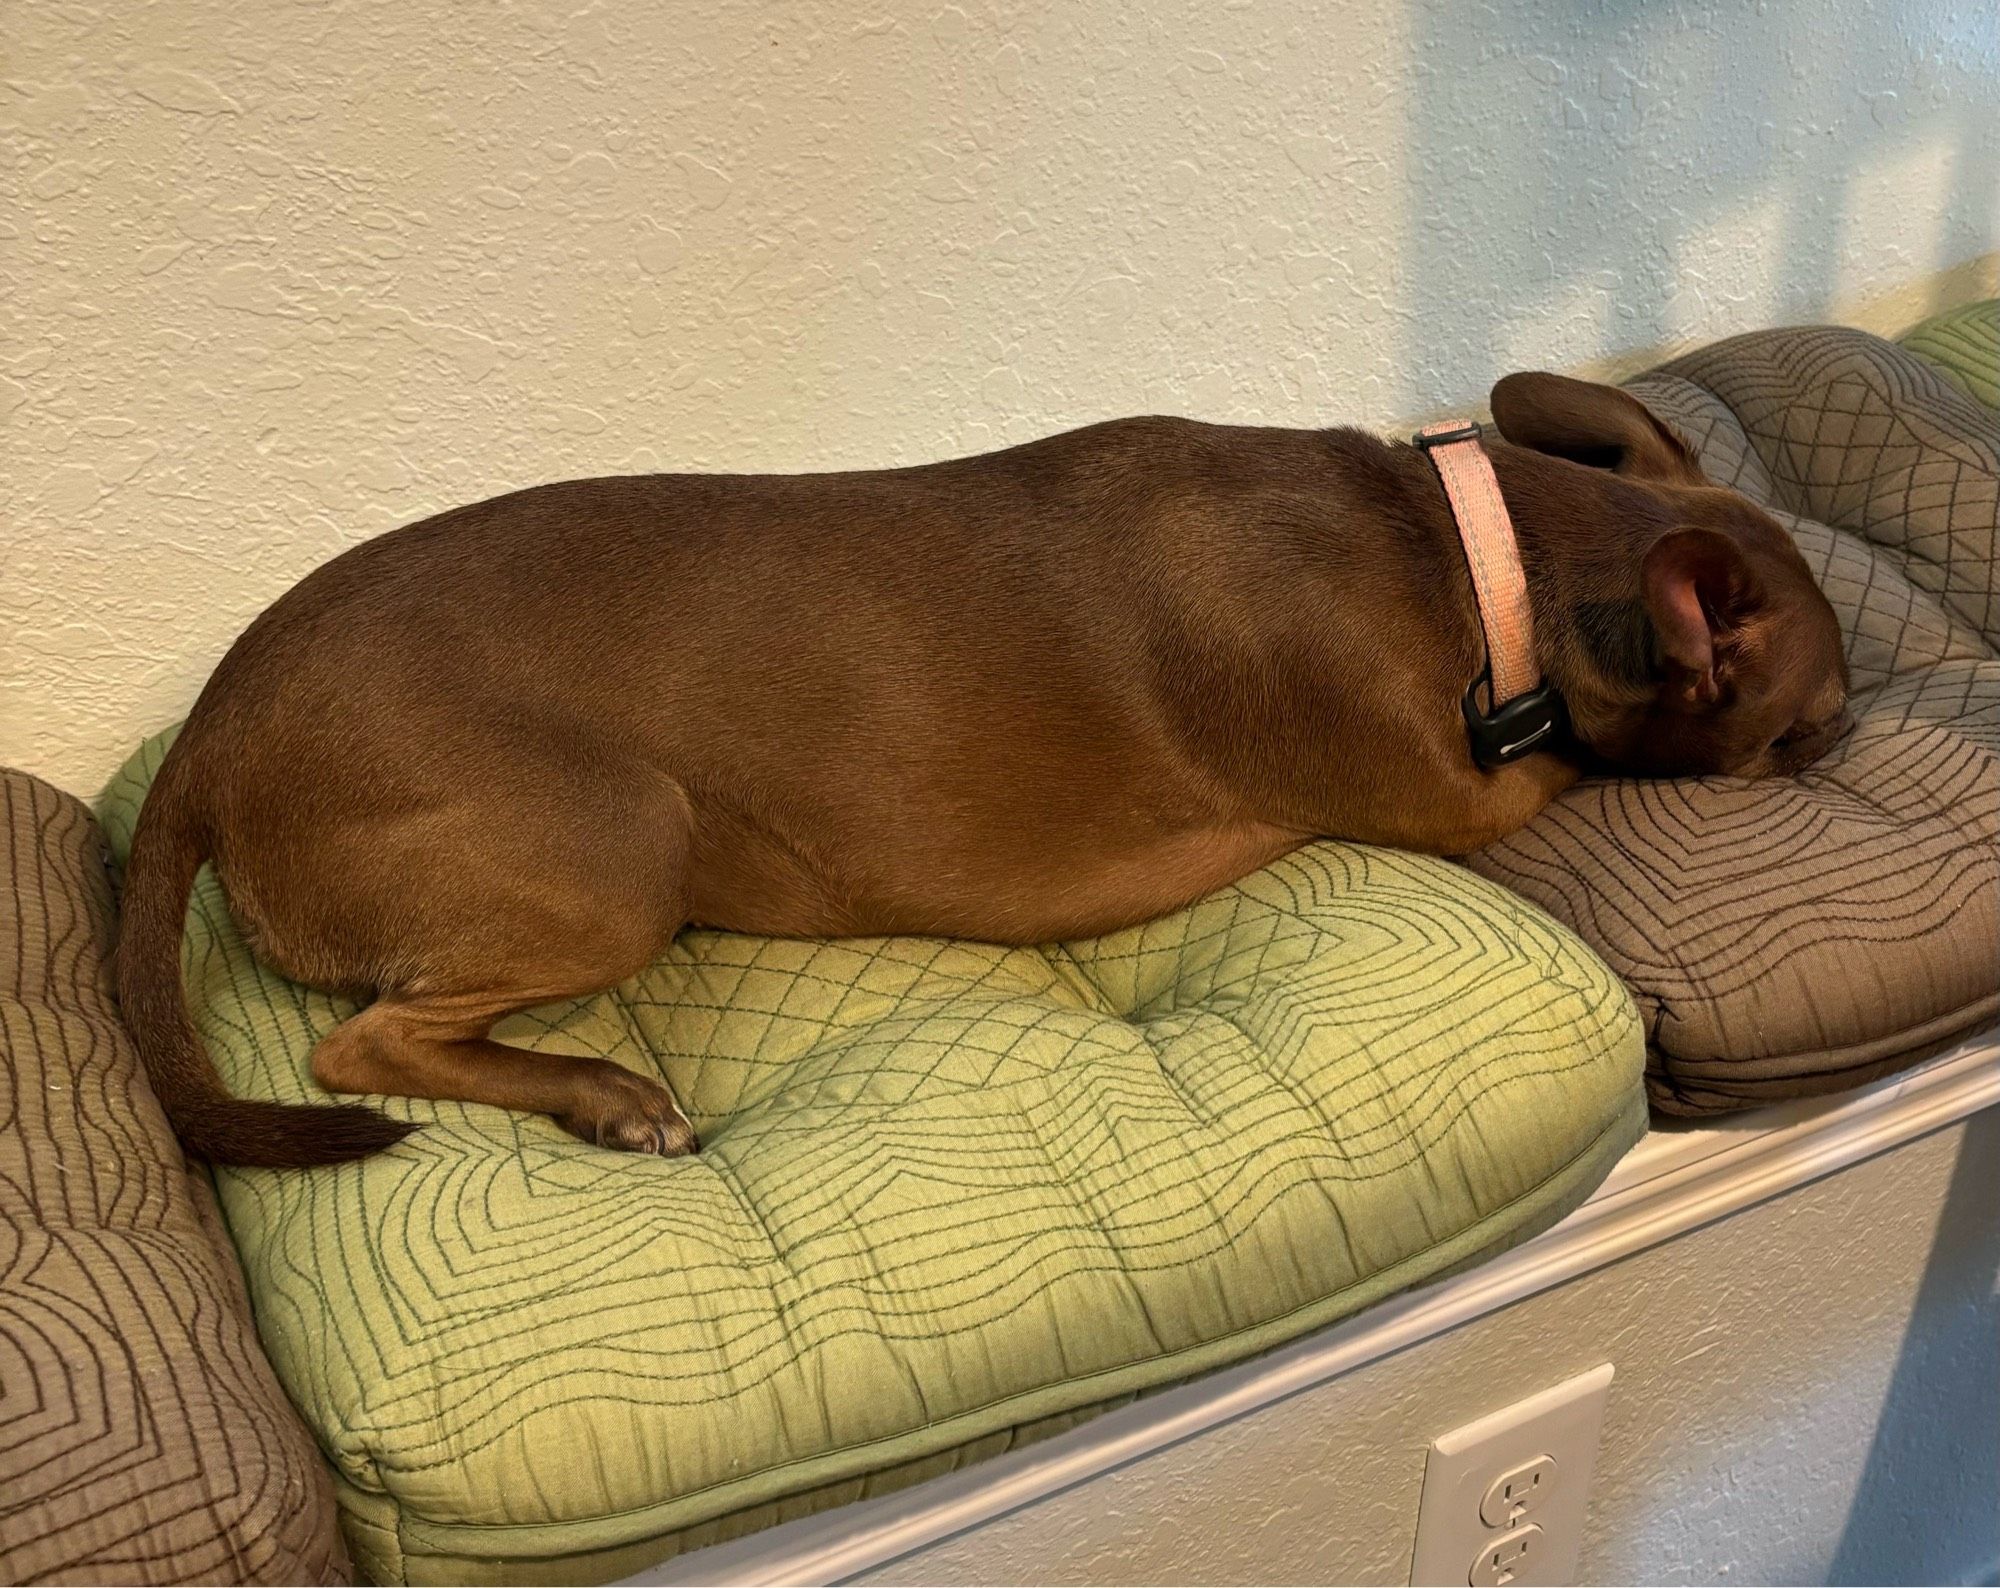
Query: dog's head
[[1717, 652]]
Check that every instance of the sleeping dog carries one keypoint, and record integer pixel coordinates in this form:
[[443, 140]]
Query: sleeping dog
[[500, 757]]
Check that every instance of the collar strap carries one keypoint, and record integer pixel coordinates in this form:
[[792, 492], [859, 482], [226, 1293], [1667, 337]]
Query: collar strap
[[1525, 713]]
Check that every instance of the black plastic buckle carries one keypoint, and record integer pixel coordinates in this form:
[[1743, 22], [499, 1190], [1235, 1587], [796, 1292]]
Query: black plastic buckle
[[1470, 431], [1537, 720]]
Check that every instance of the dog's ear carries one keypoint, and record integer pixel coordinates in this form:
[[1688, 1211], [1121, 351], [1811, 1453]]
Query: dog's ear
[[1698, 589], [1587, 423]]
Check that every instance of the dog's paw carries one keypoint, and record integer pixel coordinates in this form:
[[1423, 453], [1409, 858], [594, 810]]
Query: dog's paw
[[631, 1114]]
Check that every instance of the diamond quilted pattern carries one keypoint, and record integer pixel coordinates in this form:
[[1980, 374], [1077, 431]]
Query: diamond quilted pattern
[[1963, 345], [951, 1196], [1800, 936]]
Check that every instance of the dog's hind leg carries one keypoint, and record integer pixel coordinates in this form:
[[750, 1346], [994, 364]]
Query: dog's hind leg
[[437, 1047], [475, 913]]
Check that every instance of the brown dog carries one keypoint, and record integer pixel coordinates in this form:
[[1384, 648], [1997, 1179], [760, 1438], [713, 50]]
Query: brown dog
[[500, 757]]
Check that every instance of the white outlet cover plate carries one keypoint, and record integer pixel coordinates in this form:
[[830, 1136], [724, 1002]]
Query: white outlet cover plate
[[1563, 1423]]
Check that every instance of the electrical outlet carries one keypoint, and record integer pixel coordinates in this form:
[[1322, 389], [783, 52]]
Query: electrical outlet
[[1504, 1497], [1517, 1491], [1506, 1559]]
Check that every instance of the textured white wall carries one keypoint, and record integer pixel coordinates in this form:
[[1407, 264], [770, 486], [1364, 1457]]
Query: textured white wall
[[282, 276], [1808, 1392]]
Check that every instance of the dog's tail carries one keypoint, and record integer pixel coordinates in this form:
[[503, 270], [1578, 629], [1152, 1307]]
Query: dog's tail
[[168, 848]]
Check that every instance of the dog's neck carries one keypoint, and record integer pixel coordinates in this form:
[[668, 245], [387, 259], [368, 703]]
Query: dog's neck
[[1522, 711], [1583, 534]]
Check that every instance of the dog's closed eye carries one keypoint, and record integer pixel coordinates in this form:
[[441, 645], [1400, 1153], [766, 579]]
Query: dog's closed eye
[[1822, 732]]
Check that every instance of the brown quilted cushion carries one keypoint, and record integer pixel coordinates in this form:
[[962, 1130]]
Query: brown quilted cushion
[[1792, 937], [143, 1437]]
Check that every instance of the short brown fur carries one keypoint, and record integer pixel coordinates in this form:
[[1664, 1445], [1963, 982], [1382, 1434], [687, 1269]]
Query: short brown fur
[[500, 757]]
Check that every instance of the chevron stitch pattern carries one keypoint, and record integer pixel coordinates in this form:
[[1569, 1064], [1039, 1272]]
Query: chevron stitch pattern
[[951, 1196], [1800, 936]]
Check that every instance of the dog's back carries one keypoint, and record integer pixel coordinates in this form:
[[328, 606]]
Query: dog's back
[[499, 758]]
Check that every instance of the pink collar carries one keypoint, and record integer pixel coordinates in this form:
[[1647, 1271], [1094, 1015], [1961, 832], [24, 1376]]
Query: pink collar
[[1523, 714]]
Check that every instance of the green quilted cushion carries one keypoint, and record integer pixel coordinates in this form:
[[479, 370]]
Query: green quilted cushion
[[951, 1196], [1965, 345]]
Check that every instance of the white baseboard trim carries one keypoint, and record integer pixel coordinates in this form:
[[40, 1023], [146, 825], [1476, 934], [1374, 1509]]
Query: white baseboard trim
[[1676, 1180]]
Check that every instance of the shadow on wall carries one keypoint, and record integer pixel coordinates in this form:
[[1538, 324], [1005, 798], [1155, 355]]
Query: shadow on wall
[[1904, 1526], [1815, 132]]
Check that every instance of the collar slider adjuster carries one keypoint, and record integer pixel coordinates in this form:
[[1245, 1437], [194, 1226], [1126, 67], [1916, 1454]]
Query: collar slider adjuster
[[1535, 720], [1424, 440]]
